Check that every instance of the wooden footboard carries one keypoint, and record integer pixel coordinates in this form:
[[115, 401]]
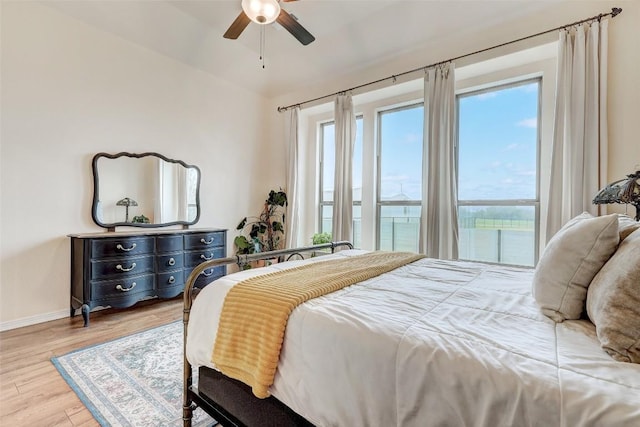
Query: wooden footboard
[[192, 398]]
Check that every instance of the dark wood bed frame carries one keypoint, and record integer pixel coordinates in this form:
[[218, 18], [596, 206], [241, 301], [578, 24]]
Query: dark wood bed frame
[[229, 401]]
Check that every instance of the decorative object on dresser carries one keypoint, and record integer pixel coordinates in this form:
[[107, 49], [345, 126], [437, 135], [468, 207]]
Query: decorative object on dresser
[[120, 269], [126, 202], [163, 191]]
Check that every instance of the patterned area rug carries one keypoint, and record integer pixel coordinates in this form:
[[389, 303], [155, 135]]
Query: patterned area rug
[[132, 381]]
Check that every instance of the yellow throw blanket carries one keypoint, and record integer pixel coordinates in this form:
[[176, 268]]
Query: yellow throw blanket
[[255, 311]]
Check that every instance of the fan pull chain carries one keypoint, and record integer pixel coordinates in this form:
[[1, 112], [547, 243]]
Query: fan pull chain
[[262, 43]]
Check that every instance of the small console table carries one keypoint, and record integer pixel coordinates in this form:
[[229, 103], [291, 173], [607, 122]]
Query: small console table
[[118, 269]]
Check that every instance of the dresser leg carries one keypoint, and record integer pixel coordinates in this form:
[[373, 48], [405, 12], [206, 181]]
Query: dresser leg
[[72, 312], [85, 314]]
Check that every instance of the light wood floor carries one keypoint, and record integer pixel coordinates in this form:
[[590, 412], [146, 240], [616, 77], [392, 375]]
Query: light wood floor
[[32, 392]]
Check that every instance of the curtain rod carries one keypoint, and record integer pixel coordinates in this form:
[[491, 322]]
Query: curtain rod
[[615, 11]]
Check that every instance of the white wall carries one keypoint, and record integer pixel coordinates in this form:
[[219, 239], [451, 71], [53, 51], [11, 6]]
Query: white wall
[[70, 91], [623, 82]]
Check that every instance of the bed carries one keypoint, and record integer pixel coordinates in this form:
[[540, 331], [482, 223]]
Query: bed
[[431, 343]]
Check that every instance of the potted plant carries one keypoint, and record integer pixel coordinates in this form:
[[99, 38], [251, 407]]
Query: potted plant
[[319, 238], [140, 219], [266, 231]]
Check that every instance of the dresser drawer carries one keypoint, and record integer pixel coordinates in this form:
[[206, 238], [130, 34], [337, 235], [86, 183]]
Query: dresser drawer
[[121, 267], [207, 276], [105, 248], [203, 240], [119, 288], [169, 244], [191, 259], [173, 278], [170, 262]]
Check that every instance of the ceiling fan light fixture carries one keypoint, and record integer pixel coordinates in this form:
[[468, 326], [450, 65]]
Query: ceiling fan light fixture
[[261, 11]]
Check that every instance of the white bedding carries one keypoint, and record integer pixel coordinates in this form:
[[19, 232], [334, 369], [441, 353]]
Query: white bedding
[[436, 343]]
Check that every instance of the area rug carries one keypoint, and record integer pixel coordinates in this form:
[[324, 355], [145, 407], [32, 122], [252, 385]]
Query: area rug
[[132, 381]]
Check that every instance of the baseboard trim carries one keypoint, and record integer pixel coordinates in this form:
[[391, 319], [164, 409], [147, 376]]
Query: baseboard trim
[[33, 320]]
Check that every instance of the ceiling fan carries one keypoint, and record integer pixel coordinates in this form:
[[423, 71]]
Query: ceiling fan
[[265, 12]]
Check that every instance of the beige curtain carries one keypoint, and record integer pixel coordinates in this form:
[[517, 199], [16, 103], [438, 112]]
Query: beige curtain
[[345, 138], [439, 215], [579, 150], [292, 221]]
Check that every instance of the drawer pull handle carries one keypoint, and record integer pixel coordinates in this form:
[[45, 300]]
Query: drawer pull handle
[[205, 258], [121, 268], [206, 242], [122, 248], [172, 280], [172, 261], [120, 288], [204, 273]]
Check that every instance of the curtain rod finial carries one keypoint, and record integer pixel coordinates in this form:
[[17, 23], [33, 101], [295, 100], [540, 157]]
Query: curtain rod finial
[[615, 11]]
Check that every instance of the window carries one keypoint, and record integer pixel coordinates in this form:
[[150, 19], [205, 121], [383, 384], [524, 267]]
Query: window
[[327, 169], [503, 152], [498, 202], [399, 177]]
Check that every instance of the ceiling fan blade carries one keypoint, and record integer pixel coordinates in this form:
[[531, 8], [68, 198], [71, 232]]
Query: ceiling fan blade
[[294, 27], [237, 27]]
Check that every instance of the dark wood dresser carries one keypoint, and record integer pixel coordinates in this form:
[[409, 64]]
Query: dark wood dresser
[[118, 269]]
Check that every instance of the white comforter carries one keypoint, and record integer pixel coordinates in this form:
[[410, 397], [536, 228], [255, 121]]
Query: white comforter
[[436, 343]]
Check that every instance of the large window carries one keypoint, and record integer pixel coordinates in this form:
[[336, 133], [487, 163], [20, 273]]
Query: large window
[[399, 177], [499, 138], [498, 134], [327, 170]]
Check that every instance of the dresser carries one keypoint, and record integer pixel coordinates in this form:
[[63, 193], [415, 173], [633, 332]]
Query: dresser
[[118, 269]]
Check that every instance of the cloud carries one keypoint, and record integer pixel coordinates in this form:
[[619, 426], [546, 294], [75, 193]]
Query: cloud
[[411, 138], [528, 123], [487, 95]]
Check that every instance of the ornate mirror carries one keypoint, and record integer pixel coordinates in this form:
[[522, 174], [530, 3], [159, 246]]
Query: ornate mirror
[[144, 190]]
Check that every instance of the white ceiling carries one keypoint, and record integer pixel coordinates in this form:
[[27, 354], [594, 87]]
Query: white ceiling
[[351, 35]]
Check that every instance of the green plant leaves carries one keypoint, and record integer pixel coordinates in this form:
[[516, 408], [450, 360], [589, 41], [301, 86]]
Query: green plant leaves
[[242, 244], [278, 198], [266, 231], [320, 238]]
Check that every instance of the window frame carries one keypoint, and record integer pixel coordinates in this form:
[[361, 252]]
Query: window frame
[[379, 202], [321, 202], [507, 202]]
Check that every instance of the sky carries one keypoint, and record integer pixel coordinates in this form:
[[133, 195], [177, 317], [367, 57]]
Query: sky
[[497, 147], [498, 144]]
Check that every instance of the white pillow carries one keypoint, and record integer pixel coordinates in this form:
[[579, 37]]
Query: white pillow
[[613, 302], [626, 226], [571, 259]]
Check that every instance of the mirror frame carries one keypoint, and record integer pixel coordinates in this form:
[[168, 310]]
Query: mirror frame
[[96, 191]]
